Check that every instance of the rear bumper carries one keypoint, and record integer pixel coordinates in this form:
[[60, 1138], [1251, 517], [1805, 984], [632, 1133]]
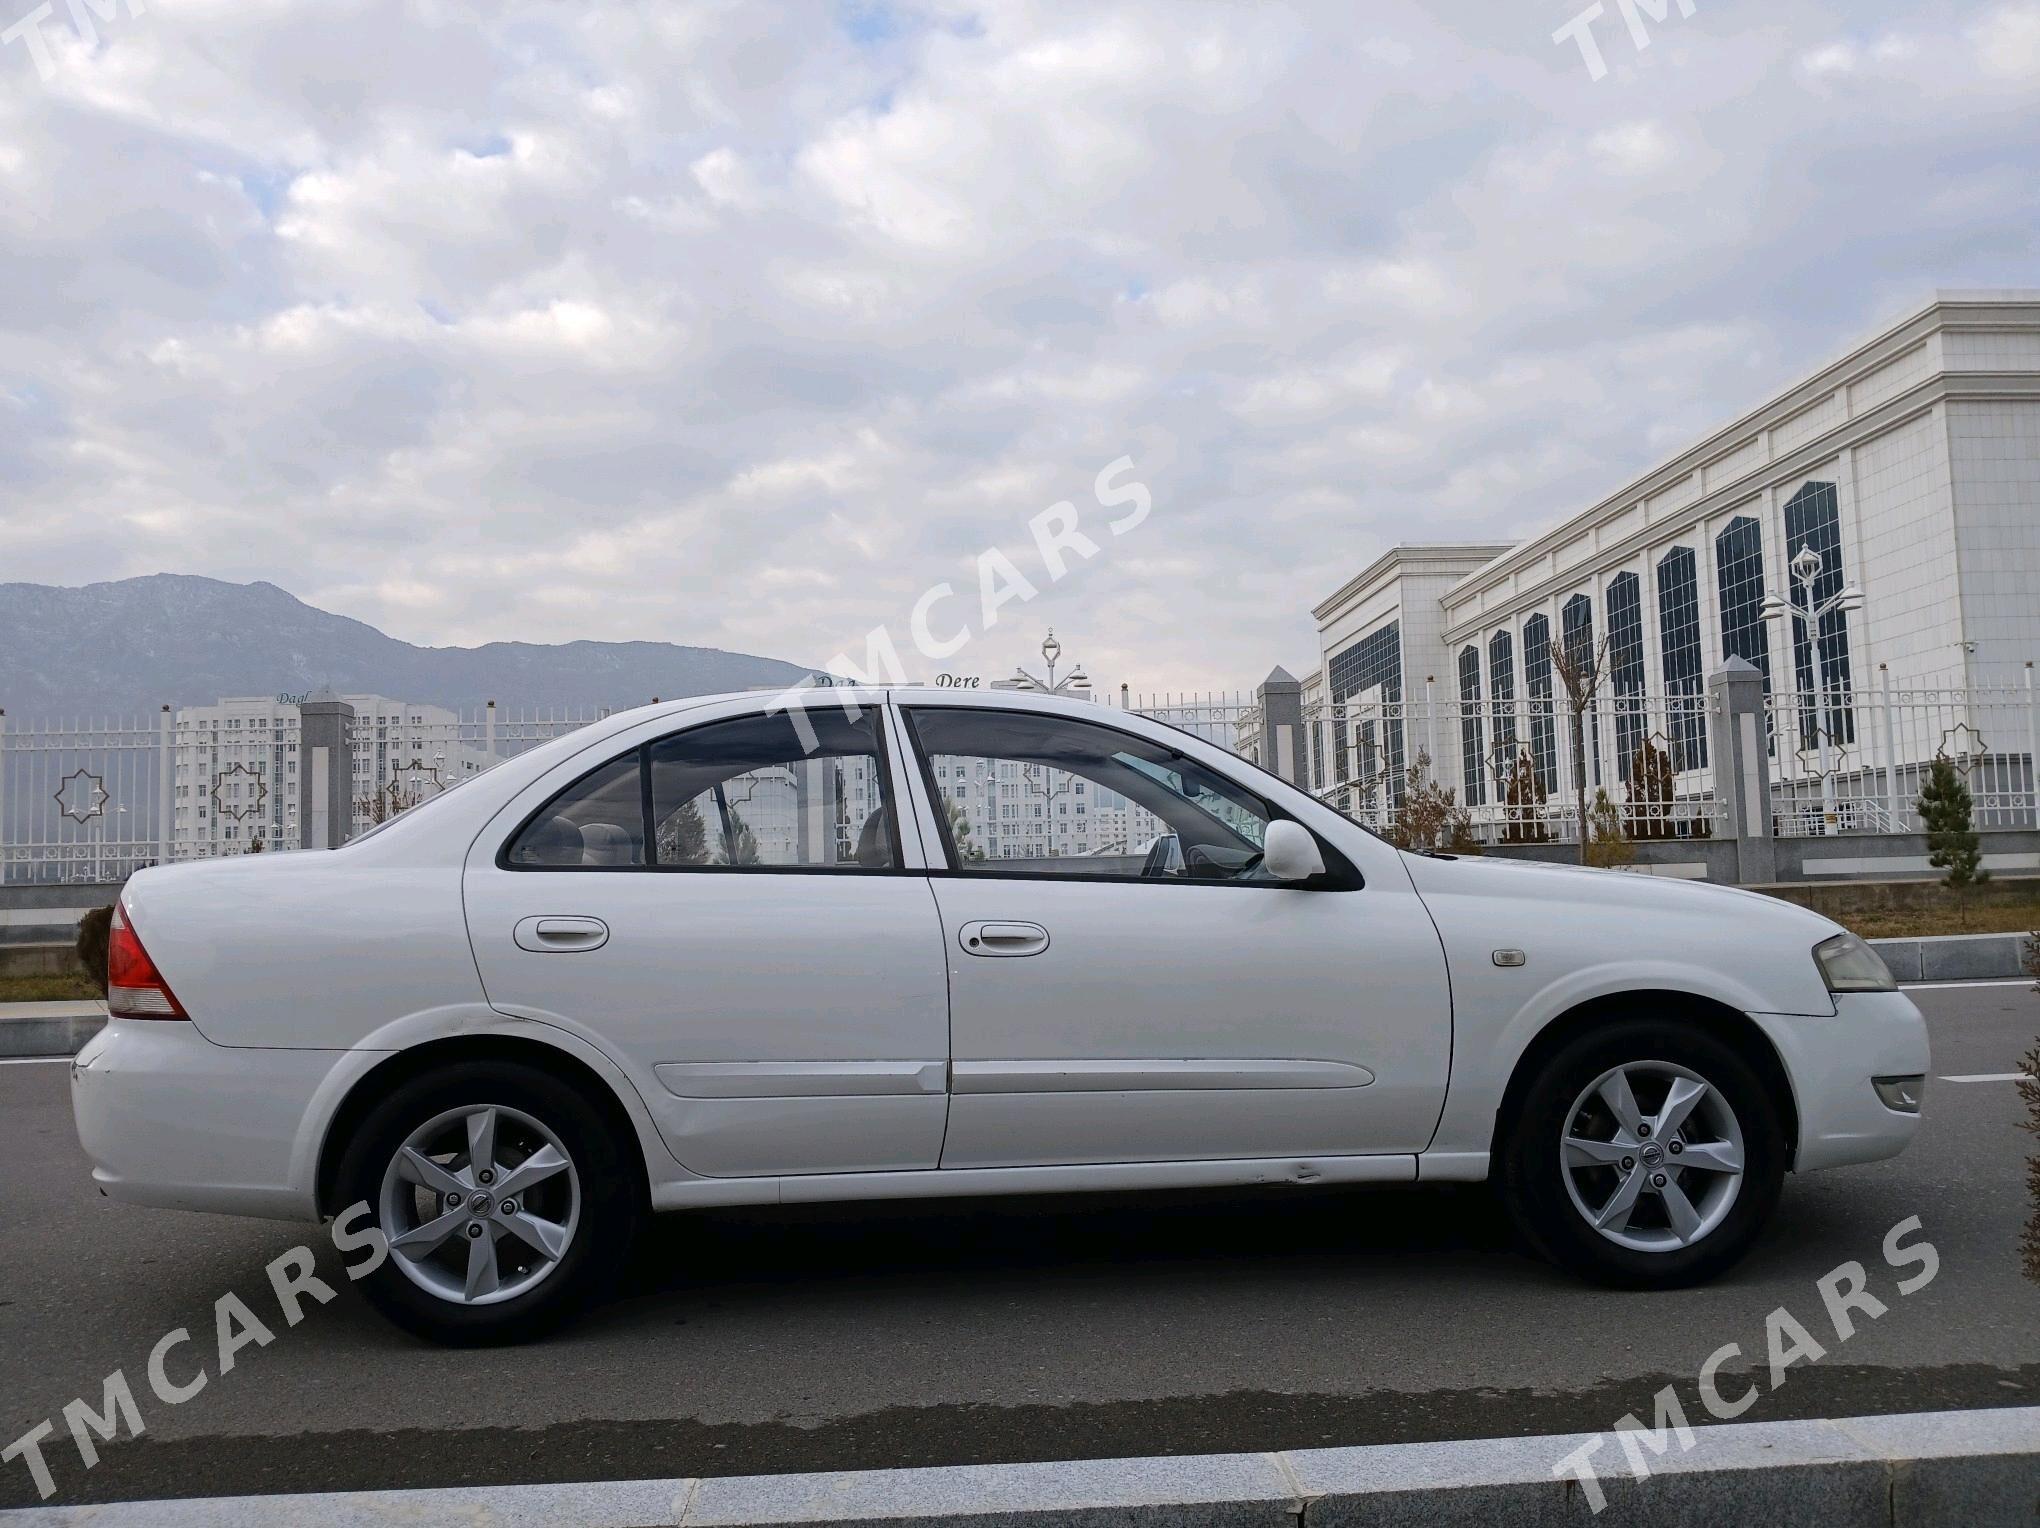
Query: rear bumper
[[170, 1119], [1831, 1061]]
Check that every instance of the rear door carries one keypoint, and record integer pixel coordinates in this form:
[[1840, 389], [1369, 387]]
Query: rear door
[[724, 910], [1114, 1003]]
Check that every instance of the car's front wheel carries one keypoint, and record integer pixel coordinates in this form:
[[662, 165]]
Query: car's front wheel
[[504, 1198], [1645, 1153]]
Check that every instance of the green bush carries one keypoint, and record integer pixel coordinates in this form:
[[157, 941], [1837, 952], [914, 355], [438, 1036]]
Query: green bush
[[93, 931]]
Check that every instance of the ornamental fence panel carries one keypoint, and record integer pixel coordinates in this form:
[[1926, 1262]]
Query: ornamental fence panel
[[93, 799], [1516, 771], [1856, 764]]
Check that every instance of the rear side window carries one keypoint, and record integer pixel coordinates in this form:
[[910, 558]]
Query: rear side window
[[741, 794], [597, 821]]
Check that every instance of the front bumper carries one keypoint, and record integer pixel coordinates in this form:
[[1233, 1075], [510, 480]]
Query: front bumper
[[170, 1119], [1831, 1062]]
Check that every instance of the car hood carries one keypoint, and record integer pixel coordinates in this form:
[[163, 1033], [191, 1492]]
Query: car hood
[[1502, 876]]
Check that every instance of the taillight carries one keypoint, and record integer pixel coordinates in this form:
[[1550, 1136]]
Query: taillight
[[135, 989]]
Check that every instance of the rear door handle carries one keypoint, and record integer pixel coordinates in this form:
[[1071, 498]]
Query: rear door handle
[[1003, 939], [560, 935]]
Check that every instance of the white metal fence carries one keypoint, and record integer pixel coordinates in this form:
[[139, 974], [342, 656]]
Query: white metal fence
[[94, 800], [1857, 763], [82, 799], [1515, 770]]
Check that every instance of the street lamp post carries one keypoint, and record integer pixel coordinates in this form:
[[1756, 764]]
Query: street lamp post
[[1075, 682], [1804, 571]]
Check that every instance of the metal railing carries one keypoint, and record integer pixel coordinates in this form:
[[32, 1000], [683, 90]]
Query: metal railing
[[1856, 764], [95, 800], [1513, 772]]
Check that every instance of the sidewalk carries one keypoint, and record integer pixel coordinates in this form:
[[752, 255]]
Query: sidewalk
[[48, 1029]]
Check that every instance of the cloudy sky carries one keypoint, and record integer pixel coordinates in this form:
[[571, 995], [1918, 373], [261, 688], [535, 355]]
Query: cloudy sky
[[744, 324]]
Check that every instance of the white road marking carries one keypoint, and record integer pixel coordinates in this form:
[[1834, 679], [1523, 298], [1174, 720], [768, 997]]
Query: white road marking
[[2005, 981], [1517, 1472], [35, 1060], [1989, 1077]]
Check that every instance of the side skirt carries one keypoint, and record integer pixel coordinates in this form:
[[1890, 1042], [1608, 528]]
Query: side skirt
[[696, 1193]]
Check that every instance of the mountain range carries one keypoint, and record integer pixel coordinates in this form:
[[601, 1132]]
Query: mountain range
[[137, 643]]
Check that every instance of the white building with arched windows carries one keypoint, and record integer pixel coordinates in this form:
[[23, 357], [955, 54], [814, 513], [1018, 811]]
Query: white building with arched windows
[[1908, 469]]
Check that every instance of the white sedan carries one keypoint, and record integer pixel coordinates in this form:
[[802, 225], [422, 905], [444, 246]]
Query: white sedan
[[716, 953]]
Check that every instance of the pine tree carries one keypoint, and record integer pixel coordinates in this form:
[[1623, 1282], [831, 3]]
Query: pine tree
[[1429, 818], [683, 837], [1523, 800], [959, 829], [1946, 807], [1650, 793], [742, 848], [1607, 844]]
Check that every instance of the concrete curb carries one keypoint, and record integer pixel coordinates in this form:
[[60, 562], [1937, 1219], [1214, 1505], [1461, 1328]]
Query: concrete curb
[[48, 1029], [1954, 957], [1980, 1468]]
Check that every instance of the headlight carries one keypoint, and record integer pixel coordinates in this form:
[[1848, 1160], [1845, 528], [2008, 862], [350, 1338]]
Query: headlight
[[1848, 964]]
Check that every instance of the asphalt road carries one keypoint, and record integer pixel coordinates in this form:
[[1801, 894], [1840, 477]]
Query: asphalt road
[[936, 1333]]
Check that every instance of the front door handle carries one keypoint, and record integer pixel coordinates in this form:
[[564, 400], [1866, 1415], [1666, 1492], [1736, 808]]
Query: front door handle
[[1003, 939], [560, 935]]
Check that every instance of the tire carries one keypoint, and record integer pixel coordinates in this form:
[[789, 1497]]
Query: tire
[[1569, 1159], [554, 1240]]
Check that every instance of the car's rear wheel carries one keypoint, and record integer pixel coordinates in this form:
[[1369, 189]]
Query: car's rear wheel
[[1645, 1153], [503, 1194]]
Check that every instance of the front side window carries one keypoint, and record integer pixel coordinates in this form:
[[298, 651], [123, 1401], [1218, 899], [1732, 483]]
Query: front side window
[[1156, 813], [741, 794]]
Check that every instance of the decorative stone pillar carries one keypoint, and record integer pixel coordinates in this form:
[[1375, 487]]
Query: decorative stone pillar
[[1742, 768], [1284, 749], [326, 770]]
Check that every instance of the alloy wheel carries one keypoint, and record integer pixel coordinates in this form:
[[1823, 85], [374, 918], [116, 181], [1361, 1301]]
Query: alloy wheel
[[480, 1204], [1652, 1156]]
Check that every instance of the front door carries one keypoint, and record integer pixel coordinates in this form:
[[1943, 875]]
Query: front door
[[1126, 985], [724, 911]]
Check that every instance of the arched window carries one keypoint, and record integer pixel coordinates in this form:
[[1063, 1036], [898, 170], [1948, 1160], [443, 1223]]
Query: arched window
[[1678, 589], [1739, 578], [1625, 665], [1470, 773], [1813, 519], [1576, 631], [1537, 686], [1501, 652]]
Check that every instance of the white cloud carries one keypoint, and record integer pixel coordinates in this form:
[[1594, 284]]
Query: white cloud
[[723, 323]]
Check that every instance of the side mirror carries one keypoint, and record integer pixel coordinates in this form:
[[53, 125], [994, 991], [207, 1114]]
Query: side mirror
[[1290, 853]]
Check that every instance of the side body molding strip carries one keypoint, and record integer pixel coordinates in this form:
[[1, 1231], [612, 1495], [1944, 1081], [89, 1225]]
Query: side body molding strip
[[801, 1079], [1151, 1076]]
